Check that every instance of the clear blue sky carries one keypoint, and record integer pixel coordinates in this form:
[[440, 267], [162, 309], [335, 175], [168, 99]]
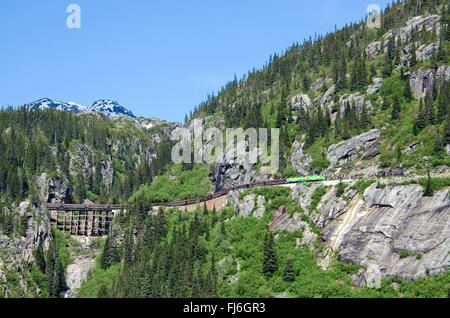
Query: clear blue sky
[[156, 58]]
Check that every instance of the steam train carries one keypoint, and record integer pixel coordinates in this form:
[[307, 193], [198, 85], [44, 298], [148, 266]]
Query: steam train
[[240, 187]]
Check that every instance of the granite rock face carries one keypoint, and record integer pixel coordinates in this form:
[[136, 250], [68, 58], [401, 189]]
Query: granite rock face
[[320, 83], [375, 87], [301, 101], [418, 23], [326, 98], [424, 52], [377, 226], [348, 150], [300, 161], [283, 221], [358, 101], [53, 189], [17, 252], [422, 80], [377, 48]]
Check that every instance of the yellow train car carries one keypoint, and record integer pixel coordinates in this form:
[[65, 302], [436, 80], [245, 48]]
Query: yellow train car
[[305, 179]]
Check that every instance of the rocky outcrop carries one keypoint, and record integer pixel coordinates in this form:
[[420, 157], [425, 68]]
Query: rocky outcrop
[[331, 207], [227, 174], [375, 87], [417, 23], [377, 48], [348, 150], [394, 231], [300, 161], [424, 52], [282, 220], [358, 101], [302, 193], [53, 189], [250, 205], [81, 159], [301, 101], [327, 97], [320, 83], [16, 252], [443, 74], [422, 80]]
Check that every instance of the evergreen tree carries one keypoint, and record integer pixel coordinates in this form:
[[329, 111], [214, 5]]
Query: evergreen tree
[[413, 60], [446, 137], [289, 274], [387, 66], [102, 291], [428, 192], [407, 92], [438, 146], [39, 255], [396, 109], [429, 110], [270, 258], [443, 102]]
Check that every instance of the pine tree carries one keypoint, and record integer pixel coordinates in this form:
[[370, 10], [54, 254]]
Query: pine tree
[[413, 60], [213, 272], [429, 110], [446, 137], [421, 120], [407, 91], [438, 147], [222, 228], [428, 192], [289, 274], [270, 258], [102, 291], [443, 101], [387, 66], [39, 255], [396, 109], [337, 122]]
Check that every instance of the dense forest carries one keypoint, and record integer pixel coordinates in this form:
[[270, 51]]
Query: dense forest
[[34, 142]]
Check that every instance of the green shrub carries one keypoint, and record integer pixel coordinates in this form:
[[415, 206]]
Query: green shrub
[[316, 197], [404, 254], [362, 185]]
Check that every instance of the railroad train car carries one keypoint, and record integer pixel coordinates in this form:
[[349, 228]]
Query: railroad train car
[[208, 197], [305, 179]]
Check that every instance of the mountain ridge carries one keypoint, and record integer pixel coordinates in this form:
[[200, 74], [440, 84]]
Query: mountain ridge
[[105, 106]]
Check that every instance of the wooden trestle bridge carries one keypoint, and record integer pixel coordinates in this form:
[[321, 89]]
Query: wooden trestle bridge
[[83, 219]]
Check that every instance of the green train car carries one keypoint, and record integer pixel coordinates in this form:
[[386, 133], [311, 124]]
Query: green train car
[[305, 179]]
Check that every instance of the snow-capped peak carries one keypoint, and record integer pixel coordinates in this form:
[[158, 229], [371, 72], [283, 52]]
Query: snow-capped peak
[[110, 108], [107, 107]]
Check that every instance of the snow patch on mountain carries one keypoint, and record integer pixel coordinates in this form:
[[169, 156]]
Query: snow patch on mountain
[[104, 106]]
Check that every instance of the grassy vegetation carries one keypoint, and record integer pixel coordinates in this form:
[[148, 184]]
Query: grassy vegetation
[[317, 195], [188, 184], [62, 241], [362, 185]]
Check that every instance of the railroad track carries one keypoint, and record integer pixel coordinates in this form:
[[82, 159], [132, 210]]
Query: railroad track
[[289, 182]]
